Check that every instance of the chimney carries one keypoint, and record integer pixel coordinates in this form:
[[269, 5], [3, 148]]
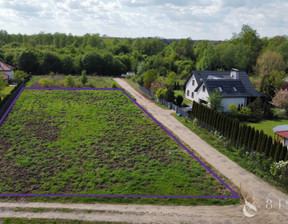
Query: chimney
[[234, 73]]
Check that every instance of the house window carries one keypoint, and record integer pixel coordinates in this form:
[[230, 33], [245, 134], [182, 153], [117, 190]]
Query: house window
[[193, 82], [234, 89], [192, 94], [204, 88], [187, 92]]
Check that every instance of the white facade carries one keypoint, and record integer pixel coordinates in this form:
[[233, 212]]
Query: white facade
[[10, 74], [238, 101], [190, 87], [202, 95]]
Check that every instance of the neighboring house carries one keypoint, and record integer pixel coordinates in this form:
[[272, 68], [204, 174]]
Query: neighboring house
[[234, 86], [282, 131], [7, 70]]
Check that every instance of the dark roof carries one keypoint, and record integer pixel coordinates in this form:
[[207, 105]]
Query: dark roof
[[243, 85], [229, 87]]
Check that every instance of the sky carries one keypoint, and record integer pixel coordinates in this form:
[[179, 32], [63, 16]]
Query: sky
[[196, 19]]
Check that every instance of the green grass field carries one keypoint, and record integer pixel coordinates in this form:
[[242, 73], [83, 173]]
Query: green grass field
[[6, 91], [96, 143], [267, 125]]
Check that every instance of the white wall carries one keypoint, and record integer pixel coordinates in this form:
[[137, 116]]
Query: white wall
[[201, 95], [190, 88], [10, 73], [286, 141], [227, 101]]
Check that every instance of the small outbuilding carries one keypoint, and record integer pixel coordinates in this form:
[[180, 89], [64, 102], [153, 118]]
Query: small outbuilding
[[7, 70], [282, 131]]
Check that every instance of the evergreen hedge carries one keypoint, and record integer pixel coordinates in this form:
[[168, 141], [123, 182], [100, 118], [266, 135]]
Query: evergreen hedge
[[240, 135]]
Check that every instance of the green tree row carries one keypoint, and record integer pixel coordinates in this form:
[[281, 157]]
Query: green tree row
[[67, 54], [240, 135]]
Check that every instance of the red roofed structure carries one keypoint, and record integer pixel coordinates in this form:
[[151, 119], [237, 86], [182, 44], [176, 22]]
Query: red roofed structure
[[282, 131], [7, 70], [5, 76]]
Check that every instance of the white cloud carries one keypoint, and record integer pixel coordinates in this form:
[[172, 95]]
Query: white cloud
[[198, 19]]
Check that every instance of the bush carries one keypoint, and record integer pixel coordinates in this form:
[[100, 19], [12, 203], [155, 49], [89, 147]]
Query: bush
[[280, 171], [160, 93], [157, 84], [19, 76], [69, 82], [169, 96], [44, 82], [179, 100], [114, 85], [279, 113], [233, 110], [245, 113]]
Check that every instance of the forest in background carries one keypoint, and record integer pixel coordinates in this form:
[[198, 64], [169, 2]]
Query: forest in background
[[106, 56]]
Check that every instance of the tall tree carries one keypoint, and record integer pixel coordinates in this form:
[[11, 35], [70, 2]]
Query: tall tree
[[271, 83], [28, 62], [149, 77], [215, 100], [93, 63], [268, 62], [50, 63]]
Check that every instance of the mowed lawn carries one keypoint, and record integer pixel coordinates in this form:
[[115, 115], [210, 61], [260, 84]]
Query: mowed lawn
[[96, 143], [181, 93], [268, 125]]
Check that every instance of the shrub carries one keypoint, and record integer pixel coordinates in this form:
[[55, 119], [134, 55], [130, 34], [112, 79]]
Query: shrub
[[44, 82], [157, 84], [169, 96], [69, 82], [179, 100], [280, 171], [160, 93], [114, 85], [84, 77], [245, 113], [233, 110], [19, 76]]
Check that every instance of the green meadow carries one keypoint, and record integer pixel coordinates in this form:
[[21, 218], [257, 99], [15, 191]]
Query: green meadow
[[89, 142]]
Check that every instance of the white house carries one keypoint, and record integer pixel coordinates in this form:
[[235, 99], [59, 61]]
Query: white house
[[234, 86], [7, 70]]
